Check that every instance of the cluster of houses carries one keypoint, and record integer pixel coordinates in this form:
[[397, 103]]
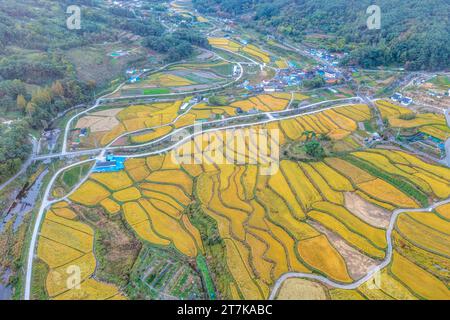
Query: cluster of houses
[[130, 4], [294, 76], [425, 143], [398, 97], [133, 75], [331, 58], [76, 136], [438, 93]]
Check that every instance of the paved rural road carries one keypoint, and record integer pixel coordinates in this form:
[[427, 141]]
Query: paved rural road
[[447, 143], [371, 272]]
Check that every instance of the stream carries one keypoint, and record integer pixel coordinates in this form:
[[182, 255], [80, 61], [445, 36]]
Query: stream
[[23, 204]]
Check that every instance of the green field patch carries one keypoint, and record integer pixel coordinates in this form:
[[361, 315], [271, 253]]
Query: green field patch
[[155, 91]]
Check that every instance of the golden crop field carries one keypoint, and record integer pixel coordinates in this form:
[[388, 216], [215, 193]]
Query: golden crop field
[[336, 180], [129, 194], [355, 174], [174, 177], [444, 211], [355, 224], [384, 164], [137, 169], [231, 45], [153, 135], [168, 80], [113, 180], [354, 239], [423, 235], [282, 64], [171, 229], [360, 112], [55, 254], [418, 280], [64, 212], [301, 185], [389, 109], [110, 206], [90, 194], [224, 43], [441, 132], [321, 255], [91, 289], [256, 53], [381, 190], [322, 185], [66, 243]]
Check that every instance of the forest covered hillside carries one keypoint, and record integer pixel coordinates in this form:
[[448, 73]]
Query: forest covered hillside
[[414, 34]]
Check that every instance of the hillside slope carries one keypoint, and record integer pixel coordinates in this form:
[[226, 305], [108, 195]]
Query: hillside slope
[[413, 34]]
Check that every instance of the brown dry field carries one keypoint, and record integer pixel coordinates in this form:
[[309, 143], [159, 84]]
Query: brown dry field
[[367, 211]]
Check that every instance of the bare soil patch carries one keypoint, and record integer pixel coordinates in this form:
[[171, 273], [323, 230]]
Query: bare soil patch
[[98, 123], [367, 211], [107, 113], [106, 124]]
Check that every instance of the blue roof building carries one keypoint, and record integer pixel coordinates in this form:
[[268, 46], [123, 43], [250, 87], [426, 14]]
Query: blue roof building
[[112, 164]]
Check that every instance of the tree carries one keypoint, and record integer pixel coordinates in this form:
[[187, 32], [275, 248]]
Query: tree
[[314, 149], [21, 102], [58, 89], [316, 82], [30, 109]]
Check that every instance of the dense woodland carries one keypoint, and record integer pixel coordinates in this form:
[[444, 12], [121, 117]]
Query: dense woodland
[[14, 148], [414, 34], [38, 81]]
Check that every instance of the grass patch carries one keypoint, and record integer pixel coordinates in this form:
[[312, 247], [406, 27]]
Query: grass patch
[[40, 271], [155, 91], [368, 125], [203, 267], [73, 175]]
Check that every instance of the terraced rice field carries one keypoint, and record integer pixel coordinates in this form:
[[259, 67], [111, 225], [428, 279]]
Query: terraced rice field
[[418, 269], [66, 246], [270, 225], [430, 124], [250, 50]]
